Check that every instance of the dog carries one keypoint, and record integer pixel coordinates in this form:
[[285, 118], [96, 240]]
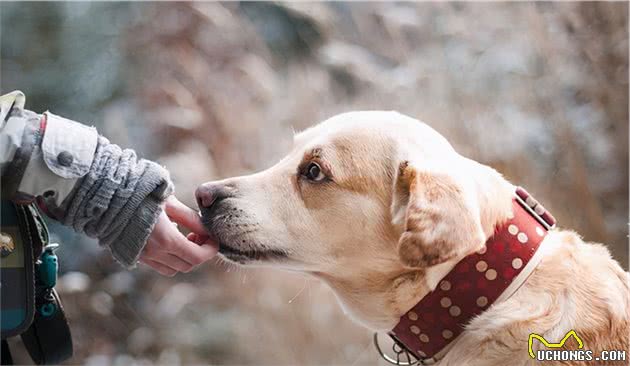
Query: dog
[[380, 207]]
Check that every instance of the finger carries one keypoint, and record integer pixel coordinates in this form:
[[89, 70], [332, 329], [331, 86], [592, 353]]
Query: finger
[[173, 261], [196, 254], [159, 267], [184, 215], [199, 239]]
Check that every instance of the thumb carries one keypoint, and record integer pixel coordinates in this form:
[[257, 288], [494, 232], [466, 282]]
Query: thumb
[[200, 239], [183, 215]]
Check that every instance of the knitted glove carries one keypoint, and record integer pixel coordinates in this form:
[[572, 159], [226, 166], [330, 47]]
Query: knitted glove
[[118, 201]]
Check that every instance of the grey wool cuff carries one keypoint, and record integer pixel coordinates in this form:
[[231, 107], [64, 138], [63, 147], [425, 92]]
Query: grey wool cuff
[[118, 201]]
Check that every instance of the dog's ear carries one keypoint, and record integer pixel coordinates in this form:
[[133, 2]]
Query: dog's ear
[[438, 216]]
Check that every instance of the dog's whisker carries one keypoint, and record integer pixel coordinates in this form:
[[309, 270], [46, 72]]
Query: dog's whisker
[[300, 291], [225, 264]]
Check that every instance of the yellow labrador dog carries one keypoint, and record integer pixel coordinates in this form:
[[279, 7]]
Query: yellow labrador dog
[[381, 207]]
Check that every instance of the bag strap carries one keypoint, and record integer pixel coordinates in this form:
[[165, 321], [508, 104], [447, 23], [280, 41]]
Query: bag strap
[[5, 354], [48, 339]]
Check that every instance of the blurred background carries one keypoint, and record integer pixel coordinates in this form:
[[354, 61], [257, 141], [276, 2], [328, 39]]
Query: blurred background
[[537, 90]]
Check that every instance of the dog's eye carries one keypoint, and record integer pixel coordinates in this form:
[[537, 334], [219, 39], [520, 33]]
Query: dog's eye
[[314, 172]]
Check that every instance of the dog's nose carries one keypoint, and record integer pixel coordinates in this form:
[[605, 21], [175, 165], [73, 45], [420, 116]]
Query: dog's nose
[[208, 194]]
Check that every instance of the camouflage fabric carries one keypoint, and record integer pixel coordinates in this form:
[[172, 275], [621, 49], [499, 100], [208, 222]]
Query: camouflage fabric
[[12, 130], [82, 179], [19, 135], [39, 164]]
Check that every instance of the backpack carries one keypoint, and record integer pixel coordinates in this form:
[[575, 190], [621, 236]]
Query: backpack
[[28, 274]]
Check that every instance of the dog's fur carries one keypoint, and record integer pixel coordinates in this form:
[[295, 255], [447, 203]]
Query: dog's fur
[[396, 209]]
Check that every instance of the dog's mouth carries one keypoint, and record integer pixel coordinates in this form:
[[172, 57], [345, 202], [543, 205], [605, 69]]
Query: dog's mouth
[[243, 256], [234, 239]]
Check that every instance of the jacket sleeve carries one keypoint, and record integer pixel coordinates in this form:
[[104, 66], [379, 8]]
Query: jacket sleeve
[[80, 178]]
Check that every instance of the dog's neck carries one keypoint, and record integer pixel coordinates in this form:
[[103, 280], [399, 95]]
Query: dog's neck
[[379, 304], [483, 278]]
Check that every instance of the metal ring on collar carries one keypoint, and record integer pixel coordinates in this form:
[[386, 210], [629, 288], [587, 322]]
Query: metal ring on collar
[[411, 359]]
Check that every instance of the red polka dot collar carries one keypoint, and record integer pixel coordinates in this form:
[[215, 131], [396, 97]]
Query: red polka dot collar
[[492, 274]]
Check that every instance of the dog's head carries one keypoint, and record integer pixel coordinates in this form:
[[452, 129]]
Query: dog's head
[[375, 203]]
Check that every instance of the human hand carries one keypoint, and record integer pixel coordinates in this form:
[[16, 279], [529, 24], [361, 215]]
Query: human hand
[[167, 250]]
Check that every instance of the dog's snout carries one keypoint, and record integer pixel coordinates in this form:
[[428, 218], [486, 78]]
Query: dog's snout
[[208, 194]]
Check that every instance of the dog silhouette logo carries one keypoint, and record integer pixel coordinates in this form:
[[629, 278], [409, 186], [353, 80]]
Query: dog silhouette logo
[[547, 344]]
